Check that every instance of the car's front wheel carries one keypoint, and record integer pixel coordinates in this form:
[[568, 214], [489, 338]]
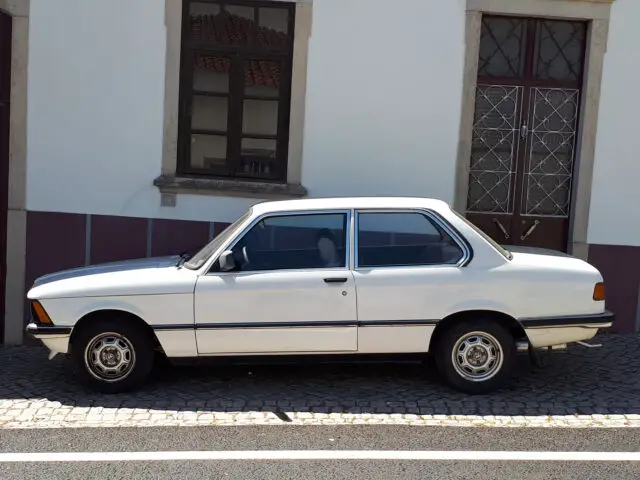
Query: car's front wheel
[[112, 356], [476, 356]]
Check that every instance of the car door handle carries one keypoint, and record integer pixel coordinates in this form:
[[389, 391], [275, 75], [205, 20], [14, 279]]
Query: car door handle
[[335, 280]]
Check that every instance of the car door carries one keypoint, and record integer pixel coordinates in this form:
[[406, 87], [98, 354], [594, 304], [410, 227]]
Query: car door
[[283, 296], [406, 273]]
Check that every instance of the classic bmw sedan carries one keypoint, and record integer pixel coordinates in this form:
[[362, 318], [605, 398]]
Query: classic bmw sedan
[[336, 276]]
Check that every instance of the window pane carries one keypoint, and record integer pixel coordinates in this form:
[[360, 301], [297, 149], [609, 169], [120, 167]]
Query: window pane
[[258, 147], [211, 73], [274, 20], [232, 26], [258, 158], [262, 77], [208, 151], [209, 113], [559, 50], [273, 28], [294, 242], [502, 45], [403, 239], [260, 117]]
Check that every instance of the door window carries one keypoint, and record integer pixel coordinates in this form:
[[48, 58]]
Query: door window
[[291, 242], [403, 239]]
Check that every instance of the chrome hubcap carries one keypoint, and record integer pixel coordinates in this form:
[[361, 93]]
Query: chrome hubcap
[[110, 357], [477, 356]]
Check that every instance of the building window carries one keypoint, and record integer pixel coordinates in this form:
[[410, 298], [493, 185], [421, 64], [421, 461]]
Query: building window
[[235, 88]]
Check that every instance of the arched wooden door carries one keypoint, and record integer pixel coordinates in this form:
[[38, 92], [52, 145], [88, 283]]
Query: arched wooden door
[[525, 129]]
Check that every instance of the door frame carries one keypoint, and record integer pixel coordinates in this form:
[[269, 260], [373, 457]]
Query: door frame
[[597, 14]]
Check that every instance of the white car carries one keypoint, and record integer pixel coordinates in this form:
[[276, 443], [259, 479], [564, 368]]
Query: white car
[[324, 277]]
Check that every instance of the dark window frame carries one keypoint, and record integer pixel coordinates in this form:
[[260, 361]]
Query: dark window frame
[[238, 55]]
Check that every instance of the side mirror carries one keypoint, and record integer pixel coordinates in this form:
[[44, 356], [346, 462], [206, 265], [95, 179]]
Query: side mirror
[[227, 262]]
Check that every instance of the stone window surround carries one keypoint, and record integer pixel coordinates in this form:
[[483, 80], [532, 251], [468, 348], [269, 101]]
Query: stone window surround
[[597, 13], [170, 184]]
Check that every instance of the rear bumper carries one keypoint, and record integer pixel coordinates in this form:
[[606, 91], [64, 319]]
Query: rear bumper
[[547, 332], [599, 320], [55, 338]]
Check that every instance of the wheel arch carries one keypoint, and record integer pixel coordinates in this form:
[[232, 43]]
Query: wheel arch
[[111, 314], [512, 325]]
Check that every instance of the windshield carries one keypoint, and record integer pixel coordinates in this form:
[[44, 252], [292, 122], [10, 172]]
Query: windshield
[[503, 251], [203, 255]]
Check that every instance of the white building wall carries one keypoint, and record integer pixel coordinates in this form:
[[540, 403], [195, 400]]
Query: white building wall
[[382, 112], [384, 93], [615, 204]]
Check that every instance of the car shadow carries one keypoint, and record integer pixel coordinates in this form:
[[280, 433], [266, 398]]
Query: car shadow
[[582, 381]]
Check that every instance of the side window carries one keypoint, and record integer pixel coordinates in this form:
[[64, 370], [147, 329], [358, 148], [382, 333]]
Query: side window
[[294, 242], [403, 239]]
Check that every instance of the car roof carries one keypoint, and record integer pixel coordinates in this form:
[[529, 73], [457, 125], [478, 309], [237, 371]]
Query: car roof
[[338, 203]]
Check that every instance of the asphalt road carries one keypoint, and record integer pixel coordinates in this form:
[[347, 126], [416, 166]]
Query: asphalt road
[[314, 438]]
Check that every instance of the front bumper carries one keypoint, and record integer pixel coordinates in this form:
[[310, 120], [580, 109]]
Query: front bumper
[[55, 338]]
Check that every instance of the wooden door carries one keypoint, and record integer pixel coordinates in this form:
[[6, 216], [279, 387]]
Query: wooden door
[[525, 129], [5, 91]]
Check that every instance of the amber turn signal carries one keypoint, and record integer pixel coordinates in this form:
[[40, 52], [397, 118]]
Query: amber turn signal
[[41, 314], [598, 292]]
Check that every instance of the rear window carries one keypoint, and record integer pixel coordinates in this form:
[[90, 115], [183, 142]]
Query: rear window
[[503, 251]]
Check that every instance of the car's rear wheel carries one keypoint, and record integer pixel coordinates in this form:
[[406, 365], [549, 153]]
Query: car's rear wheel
[[112, 356], [476, 356]]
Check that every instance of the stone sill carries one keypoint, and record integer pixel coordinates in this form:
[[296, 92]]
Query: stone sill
[[224, 187]]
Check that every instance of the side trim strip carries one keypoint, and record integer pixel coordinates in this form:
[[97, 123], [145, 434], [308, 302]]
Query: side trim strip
[[396, 323], [577, 320], [253, 325], [174, 326], [256, 325], [41, 330]]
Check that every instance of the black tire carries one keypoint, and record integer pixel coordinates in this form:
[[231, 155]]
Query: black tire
[[132, 338], [497, 373]]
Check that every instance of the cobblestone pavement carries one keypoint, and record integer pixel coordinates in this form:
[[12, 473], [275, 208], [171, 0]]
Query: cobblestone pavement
[[581, 388]]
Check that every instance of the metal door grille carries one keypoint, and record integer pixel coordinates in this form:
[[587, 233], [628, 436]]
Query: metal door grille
[[494, 148], [549, 168]]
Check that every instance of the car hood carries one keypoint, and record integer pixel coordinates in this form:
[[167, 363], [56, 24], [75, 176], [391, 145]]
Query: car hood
[[130, 277], [111, 267]]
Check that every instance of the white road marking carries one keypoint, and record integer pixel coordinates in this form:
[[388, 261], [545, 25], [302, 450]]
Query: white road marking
[[454, 455]]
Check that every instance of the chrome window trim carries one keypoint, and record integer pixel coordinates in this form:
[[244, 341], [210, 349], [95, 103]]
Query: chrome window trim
[[352, 237], [285, 213], [431, 215]]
